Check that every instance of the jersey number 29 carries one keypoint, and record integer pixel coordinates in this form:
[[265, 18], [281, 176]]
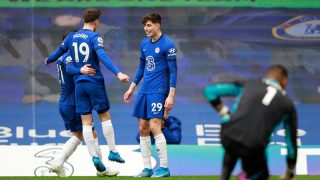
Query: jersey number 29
[[271, 92], [156, 107], [83, 48]]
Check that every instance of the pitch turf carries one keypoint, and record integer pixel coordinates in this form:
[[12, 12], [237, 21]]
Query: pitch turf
[[131, 178]]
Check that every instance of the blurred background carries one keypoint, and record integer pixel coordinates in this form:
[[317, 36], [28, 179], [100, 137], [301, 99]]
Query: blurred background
[[214, 44]]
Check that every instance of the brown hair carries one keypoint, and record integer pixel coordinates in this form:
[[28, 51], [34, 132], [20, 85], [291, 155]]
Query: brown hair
[[153, 17], [91, 14]]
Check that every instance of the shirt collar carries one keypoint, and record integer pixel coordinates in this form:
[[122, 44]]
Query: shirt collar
[[275, 84]]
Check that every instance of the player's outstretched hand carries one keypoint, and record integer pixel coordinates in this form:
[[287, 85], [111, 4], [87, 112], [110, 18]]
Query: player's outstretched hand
[[288, 175], [87, 70], [127, 95], [123, 77], [46, 63], [168, 103]]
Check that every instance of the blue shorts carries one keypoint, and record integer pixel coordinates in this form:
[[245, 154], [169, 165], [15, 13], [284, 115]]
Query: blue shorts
[[148, 106], [91, 95], [72, 120]]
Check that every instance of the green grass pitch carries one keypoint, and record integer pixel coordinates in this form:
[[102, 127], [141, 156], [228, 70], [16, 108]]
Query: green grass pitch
[[131, 178]]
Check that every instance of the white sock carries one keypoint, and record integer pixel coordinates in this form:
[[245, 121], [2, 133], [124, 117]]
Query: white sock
[[88, 138], [145, 145], [69, 147], [97, 148], [161, 145], [108, 133]]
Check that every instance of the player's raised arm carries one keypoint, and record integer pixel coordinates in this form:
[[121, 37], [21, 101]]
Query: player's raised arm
[[59, 51], [290, 125], [106, 60], [213, 94]]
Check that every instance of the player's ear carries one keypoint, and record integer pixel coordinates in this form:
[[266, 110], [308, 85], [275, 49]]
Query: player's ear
[[284, 82], [158, 25], [96, 22]]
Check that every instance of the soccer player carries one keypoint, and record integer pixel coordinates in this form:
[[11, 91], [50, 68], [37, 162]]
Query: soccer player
[[158, 68], [86, 47], [260, 106], [67, 109]]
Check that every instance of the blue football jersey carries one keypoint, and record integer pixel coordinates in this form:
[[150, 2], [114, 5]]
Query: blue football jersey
[[82, 46], [66, 81], [156, 55]]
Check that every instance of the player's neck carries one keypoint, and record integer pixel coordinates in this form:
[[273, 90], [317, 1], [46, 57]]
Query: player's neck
[[156, 37], [88, 26]]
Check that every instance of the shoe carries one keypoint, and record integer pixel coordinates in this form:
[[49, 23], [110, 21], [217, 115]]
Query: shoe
[[59, 170], [115, 156], [161, 172], [145, 173], [98, 164], [242, 176], [108, 172]]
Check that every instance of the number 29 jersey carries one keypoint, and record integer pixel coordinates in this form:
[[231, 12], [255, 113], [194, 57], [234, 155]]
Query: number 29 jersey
[[82, 46], [155, 56]]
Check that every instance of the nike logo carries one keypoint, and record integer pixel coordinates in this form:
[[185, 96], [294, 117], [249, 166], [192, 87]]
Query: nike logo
[[144, 49]]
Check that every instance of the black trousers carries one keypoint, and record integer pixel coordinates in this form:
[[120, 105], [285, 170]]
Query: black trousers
[[254, 161]]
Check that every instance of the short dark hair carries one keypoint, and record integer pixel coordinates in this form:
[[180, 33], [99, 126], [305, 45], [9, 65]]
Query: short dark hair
[[91, 14], [153, 17], [67, 32], [283, 71]]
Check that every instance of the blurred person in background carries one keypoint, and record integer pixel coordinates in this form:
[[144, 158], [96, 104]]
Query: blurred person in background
[[171, 129], [260, 106]]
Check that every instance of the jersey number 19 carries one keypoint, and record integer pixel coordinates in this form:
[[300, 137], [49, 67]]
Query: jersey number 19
[[83, 48]]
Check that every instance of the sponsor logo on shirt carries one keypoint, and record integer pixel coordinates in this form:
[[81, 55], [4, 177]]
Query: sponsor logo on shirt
[[302, 28], [68, 59], [172, 52], [150, 63]]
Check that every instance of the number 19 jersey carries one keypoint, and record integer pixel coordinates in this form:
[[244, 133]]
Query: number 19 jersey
[[82, 46]]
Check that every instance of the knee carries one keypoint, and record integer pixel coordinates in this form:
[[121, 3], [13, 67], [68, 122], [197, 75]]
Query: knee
[[105, 116], [155, 129], [144, 130], [78, 135]]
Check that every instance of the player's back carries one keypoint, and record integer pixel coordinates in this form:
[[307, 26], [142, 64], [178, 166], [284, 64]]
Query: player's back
[[261, 108], [82, 46], [66, 81]]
